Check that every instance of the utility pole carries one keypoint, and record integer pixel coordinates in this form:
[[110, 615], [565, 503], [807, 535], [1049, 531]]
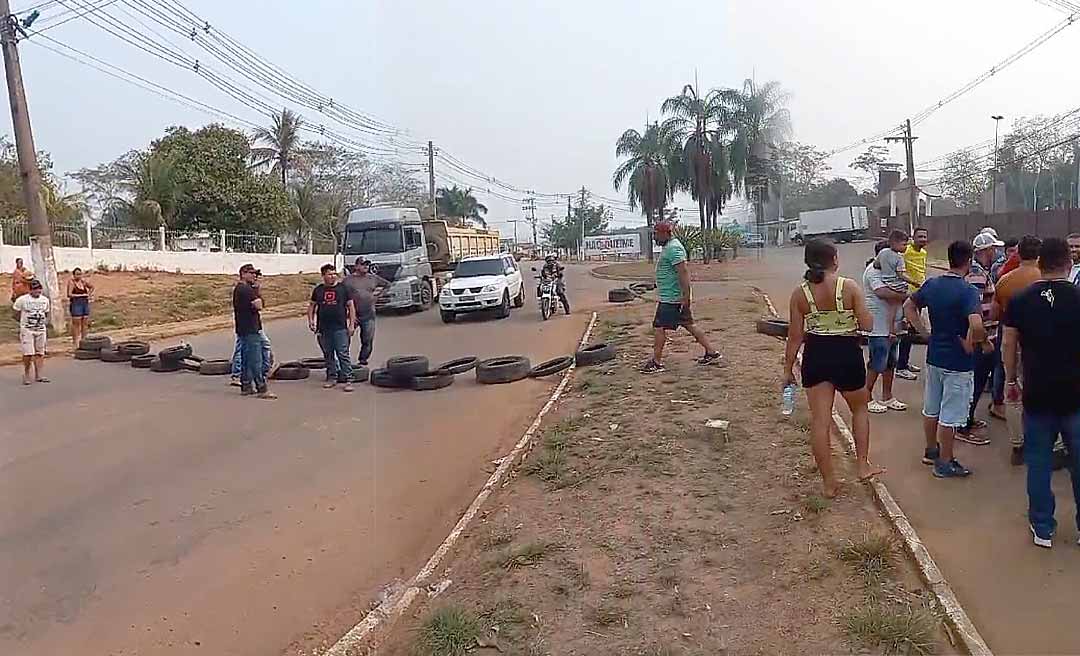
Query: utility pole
[[584, 193], [529, 206], [913, 212], [41, 251], [431, 178], [993, 185]]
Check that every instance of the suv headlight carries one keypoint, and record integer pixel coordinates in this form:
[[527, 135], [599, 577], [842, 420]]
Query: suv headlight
[[445, 291], [490, 288]]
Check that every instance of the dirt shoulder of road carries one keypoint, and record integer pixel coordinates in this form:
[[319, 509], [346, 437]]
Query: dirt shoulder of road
[[156, 305], [633, 528]]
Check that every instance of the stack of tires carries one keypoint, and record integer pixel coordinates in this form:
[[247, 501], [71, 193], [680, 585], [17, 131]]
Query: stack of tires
[[91, 346], [411, 372]]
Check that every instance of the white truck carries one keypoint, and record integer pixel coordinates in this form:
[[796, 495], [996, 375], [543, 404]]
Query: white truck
[[841, 224]]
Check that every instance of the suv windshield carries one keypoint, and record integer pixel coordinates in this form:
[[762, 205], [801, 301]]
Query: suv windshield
[[473, 268], [366, 241]]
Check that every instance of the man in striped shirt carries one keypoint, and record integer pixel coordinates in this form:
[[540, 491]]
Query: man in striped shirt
[[986, 357]]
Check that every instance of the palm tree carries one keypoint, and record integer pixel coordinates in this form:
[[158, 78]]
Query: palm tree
[[459, 206], [152, 181], [649, 170], [282, 149]]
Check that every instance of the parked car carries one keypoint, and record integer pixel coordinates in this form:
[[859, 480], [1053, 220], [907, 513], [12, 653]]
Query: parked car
[[750, 240], [490, 282]]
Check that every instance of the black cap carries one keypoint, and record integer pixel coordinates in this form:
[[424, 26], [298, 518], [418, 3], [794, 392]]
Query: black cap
[[362, 260], [35, 284], [248, 268]]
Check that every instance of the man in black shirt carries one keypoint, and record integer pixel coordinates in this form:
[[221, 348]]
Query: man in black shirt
[[1044, 322], [332, 317], [247, 306]]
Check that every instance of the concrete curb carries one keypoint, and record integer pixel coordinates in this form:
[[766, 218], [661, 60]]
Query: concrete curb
[[366, 635], [955, 616]]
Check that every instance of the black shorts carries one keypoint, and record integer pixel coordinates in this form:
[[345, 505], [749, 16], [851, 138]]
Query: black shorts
[[836, 359], [672, 315]]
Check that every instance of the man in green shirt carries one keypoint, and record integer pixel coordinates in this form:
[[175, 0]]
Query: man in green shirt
[[673, 310]]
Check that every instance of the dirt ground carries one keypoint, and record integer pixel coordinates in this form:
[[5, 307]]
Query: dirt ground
[[632, 528], [133, 299], [711, 272]]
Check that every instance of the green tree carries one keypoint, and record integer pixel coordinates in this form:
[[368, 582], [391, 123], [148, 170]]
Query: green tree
[[282, 149], [154, 189], [565, 233], [964, 178], [459, 206], [870, 161], [649, 170]]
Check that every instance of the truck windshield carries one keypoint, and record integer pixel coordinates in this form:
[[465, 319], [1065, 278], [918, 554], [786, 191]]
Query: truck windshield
[[473, 268], [367, 241]]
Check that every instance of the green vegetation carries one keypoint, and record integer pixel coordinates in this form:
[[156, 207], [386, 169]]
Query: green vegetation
[[447, 631]]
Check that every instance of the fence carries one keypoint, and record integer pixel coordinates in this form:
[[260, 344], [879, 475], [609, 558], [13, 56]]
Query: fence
[[1047, 223]]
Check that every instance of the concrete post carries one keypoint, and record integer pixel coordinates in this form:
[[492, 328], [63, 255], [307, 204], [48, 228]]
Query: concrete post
[[161, 236], [222, 241], [89, 235], [277, 246]]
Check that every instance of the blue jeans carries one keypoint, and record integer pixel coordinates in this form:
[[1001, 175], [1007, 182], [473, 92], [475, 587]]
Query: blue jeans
[[268, 356], [335, 348], [904, 356], [252, 367], [883, 354], [367, 339], [1040, 432]]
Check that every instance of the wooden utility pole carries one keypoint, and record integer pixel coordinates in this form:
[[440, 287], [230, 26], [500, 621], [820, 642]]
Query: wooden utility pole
[[914, 220], [529, 206], [584, 193], [41, 251], [431, 178]]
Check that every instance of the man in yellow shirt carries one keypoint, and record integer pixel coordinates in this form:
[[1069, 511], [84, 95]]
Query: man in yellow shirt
[[915, 262]]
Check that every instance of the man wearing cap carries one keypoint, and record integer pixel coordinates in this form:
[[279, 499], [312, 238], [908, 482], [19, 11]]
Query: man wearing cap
[[247, 307], [673, 310], [269, 366], [364, 289], [33, 309], [987, 355]]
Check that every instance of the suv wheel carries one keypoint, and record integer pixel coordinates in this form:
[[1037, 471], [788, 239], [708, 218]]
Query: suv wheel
[[519, 301], [447, 317], [504, 309]]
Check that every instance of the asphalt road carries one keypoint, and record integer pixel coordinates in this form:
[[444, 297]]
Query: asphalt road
[[145, 513], [1021, 598]]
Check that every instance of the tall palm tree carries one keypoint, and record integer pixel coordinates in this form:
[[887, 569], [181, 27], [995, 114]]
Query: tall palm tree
[[649, 170], [282, 144], [153, 182], [460, 206]]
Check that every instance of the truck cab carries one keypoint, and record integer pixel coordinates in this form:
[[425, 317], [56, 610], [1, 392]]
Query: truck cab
[[392, 238]]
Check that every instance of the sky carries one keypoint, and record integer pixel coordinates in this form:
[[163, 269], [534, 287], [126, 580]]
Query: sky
[[535, 93]]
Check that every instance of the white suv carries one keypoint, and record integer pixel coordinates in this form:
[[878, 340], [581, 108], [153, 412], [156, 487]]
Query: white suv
[[488, 282]]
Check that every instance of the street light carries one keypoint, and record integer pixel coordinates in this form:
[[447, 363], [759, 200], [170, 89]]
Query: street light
[[993, 186]]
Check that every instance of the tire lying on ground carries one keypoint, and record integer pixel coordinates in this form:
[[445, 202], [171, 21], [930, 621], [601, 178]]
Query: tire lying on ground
[[432, 380], [552, 366], [506, 369], [640, 288], [360, 374], [382, 378], [133, 347], [115, 356], [95, 343], [594, 354], [406, 367], [215, 367], [459, 365], [86, 354], [620, 295], [164, 366], [312, 363], [175, 354], [142, 361], [191, 364], [292, 371], [772, 327]]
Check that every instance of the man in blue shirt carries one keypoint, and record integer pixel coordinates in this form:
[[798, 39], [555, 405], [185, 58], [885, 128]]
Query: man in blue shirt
[[956, 331]]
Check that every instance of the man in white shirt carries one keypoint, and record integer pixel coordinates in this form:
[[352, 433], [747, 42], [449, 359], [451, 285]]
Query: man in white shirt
[[883, 345], [33, 309], [1074, 253]]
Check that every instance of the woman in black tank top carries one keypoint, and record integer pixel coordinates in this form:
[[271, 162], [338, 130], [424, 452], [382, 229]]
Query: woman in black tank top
[[79, 290]]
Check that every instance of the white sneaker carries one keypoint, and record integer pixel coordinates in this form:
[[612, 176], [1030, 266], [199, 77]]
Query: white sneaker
[[914, 368], [906, 374], [895, 404], [1045, 543], [877, 407]]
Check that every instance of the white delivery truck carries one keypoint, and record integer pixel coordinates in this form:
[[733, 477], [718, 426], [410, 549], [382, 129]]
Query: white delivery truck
[[840, 224]]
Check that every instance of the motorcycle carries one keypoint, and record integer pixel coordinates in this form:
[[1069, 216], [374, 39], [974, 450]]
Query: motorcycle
[[546, 296]]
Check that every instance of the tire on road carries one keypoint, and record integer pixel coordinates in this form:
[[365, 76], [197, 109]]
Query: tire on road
[[459, 365], [142, 361], [503, 311], [447, 317], [115, 356], [95, 343], [594, 354], [133, 347], [382, 378], [191, 364], [772, 327], [432, 380], [312, 363], [620, 295], [292, 371], [215, 367], [360, 374], [506, 369], [405, 367], [85, 354], [164, 366], [175, 353], [552, 366]]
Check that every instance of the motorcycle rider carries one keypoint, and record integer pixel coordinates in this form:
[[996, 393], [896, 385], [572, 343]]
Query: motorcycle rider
[[552, 269]]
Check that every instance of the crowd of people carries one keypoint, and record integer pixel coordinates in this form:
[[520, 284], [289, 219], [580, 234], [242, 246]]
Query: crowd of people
[[1003, 318]]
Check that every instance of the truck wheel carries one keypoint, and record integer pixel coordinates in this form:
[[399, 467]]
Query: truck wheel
[[504, 309], [447, 317], [519, 300], [426, 294]]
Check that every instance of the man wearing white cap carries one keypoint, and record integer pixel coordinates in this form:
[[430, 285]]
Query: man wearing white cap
[[985, 246]]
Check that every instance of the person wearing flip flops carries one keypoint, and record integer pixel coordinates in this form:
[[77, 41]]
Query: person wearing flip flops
[[33, 309], [881, 299]]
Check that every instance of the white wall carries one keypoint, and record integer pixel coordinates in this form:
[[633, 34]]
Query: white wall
[[173, 262]]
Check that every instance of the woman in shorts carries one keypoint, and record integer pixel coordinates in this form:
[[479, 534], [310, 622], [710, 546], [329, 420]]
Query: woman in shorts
[[79, 290], [827, 311]]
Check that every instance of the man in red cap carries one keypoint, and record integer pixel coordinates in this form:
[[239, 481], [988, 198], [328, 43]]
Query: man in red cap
[[673, 289]]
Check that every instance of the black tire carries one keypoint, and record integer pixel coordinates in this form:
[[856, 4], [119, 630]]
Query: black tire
[[86, 354], [95, 343], [292, 371], [133, 347], [447, 317], [164, 366], [382, 378], [594, 354], [115, 356], [142, 361], [175, 354], [506, 369], [360, 374], [545, 308], [553, 366], [427, 294], [772, 327], [312, 363], [215, 367], [404, 367], [188, 364], [432, 380], [504, 309], [620, 295], [519, 300], [460, 365]]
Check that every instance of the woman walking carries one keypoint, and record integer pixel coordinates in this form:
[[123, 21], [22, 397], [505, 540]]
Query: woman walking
[[79, 290], [827, 311]]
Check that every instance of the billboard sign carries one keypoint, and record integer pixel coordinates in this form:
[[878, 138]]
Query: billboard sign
[[628, 245]]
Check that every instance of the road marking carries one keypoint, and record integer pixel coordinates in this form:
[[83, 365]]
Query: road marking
[[382, 618], [957, 617]]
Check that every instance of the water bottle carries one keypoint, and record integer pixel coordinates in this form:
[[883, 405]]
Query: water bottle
[[788, 405]]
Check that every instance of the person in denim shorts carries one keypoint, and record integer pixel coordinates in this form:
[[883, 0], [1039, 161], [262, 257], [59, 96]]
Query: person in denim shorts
[[956, 331]]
